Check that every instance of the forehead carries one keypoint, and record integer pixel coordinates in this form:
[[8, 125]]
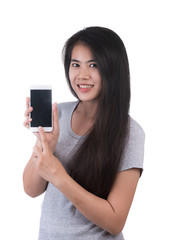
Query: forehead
[[81, 50]]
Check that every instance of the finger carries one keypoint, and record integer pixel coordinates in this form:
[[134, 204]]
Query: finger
[[28, 111], [55, 118], [44, 141], [26, 122], [27, 102]]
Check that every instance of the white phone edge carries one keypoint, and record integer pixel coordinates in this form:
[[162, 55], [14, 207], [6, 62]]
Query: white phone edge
[[36, 129], [40, 86]]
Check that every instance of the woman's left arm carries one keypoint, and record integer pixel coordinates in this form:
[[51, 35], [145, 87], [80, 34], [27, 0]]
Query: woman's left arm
[[109, 214]]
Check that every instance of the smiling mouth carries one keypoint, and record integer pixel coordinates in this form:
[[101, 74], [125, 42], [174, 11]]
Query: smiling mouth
[[85, 85]]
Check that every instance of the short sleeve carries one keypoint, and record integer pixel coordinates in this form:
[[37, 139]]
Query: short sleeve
[[133, 156]]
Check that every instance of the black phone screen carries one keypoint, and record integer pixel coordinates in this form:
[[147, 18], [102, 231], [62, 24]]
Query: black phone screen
[[41, 101]]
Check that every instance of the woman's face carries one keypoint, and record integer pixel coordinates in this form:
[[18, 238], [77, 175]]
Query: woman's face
[[83, 73]]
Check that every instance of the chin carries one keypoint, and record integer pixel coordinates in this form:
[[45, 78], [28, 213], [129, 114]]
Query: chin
[[88, 99]]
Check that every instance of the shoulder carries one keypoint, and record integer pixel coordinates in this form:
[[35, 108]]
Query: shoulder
[[135, 139], [66, 107], [136, 132], [134, 150]]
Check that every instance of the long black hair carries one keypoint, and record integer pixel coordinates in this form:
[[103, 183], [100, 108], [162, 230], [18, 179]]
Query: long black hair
[[96, 162]]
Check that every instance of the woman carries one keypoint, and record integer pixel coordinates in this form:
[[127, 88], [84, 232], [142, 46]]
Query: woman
[[90, 164]]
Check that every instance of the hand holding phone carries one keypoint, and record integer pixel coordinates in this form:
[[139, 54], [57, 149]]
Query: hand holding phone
[[52, 137]]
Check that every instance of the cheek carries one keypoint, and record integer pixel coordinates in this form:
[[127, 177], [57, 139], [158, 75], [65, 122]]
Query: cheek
[[99, 81], [72, 75], [72, 78]]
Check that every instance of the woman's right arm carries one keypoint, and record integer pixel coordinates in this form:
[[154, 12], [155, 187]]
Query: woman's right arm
[[33, 184]]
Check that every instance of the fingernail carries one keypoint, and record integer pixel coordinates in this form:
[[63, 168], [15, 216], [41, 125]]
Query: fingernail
[[40, 128]]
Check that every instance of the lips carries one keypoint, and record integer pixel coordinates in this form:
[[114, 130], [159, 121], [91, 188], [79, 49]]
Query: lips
[[84, 88]]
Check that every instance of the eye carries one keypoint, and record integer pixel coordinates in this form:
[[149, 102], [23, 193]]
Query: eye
[[93, 65], [75, 65]]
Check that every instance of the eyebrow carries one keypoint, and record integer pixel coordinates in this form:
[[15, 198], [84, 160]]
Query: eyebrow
[[75, 60]]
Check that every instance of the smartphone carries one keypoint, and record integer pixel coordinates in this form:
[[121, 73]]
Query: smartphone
[[41, 101]]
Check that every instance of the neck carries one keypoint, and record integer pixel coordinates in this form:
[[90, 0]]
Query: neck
[[88, 109]]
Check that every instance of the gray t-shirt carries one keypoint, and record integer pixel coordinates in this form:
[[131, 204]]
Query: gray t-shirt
[[60, 220]]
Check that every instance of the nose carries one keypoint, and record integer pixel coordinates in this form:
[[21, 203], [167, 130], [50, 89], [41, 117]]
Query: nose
[[83, 74]]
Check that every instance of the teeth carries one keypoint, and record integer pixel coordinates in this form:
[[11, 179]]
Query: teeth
[[85, 86]]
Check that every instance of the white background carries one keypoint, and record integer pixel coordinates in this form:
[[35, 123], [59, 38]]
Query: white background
[[32, 34]]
